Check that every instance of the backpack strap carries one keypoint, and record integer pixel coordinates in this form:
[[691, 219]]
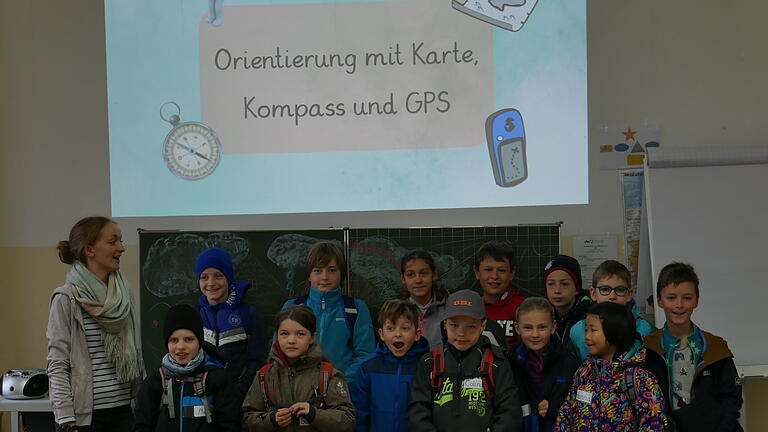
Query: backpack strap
[[199, 386], [326, 368], [438, 366], [486, 373], [167, 398], [628, 383], [262, 377], [629, 387], [350, 312]]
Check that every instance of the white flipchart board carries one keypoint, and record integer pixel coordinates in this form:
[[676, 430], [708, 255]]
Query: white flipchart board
[[709, 208]]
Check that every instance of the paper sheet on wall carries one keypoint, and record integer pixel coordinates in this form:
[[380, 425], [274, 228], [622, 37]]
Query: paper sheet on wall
[[624, 146], [593, 250]]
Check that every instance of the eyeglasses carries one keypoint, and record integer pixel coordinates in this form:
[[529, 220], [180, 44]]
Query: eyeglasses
[[620, 291]]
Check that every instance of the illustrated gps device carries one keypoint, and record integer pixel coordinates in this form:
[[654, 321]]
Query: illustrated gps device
[[507, 14], [505, 134]]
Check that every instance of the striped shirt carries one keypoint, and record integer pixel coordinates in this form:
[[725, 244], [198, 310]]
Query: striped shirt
[[107, 391]]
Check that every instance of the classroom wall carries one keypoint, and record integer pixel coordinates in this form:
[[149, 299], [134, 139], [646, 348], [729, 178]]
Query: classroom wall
[[696, 68]]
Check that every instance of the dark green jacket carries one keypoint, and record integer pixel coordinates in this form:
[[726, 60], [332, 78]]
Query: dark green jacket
[[299, 383], [464, 407]]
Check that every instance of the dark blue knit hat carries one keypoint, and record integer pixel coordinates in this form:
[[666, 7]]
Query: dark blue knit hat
[[566, 264], [218, 259]]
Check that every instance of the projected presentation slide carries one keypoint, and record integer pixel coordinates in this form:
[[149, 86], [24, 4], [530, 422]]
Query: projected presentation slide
[[256, 107]]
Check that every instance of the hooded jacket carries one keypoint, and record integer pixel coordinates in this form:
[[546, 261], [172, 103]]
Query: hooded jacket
[[504, 311], [430, 320], [298, 382], [237, 331], [644, 328], [151, 416], [383, 386], [559, 366], [576, 314], [345, 350], [597, 402], [464, 407], [716, 391]]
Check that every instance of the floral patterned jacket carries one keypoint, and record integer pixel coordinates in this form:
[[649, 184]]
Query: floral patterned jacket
[[599, 400]]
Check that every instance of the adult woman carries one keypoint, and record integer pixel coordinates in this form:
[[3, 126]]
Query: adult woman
[[94, 358]]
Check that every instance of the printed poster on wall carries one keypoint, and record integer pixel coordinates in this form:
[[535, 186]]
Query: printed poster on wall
[[623, 147], [632, 188], [592, 250]]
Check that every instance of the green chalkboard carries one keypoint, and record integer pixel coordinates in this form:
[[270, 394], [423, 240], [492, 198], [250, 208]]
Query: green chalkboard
[[274, 263], [375, 257]]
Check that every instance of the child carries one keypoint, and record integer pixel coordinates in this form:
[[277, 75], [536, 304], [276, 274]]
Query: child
[[704, 387], [345, 331], [562, 279], [612, 390], [543, 367], [383, 382], [418, 273], [298, 390], [235, 328], [610, 282], [495, 266], [467, 385], [191, 388]]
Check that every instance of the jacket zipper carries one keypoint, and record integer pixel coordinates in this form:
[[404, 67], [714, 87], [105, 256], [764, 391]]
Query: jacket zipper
[[292, 382], [181, 406], [216, 323], [456, 402], [398, 419]]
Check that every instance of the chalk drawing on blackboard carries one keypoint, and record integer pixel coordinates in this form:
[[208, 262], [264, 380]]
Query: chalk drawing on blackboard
[[377, 259], [156, 346], [289, 252], [170, 264]]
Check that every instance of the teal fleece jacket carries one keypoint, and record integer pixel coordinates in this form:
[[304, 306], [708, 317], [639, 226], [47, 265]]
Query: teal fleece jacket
[[343, 349]]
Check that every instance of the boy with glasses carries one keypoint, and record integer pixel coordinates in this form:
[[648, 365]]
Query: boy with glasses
[[610, 282]]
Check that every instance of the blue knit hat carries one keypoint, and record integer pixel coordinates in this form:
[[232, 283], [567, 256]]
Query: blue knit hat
[[566, 264], [218, 259]]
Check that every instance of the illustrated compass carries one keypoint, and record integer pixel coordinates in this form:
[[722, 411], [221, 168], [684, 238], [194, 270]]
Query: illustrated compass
[[192, 150]]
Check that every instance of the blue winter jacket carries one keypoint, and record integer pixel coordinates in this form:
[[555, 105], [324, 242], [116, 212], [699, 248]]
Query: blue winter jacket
[[237, 331], [382, 388], [344, 350], [577, 331]]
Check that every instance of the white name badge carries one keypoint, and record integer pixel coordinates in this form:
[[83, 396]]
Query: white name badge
[[199, 411], [472, 383], [526, 410], [584, 396]]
